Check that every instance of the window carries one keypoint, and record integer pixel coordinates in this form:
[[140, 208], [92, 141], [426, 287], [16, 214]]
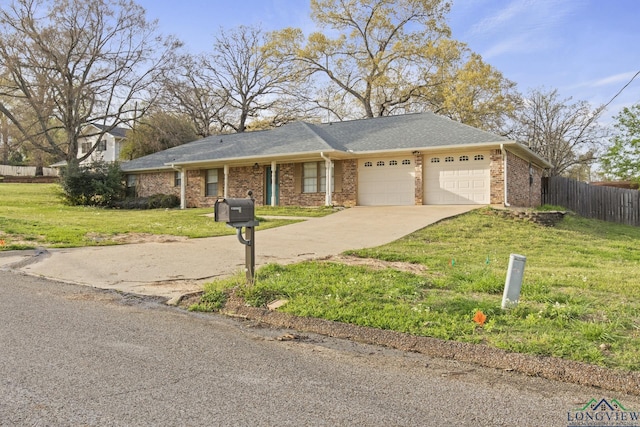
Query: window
[[314, 177], [177, 179], [211, 188], [464, 158], [448, 159], [393, 163], [101, 146], [368, 164], [380, 163], [478, 157], [85, 147], [132, 181], [406, 162], [435, 160]]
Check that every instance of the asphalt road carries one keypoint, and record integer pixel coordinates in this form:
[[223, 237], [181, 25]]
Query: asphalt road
[[74, 355]]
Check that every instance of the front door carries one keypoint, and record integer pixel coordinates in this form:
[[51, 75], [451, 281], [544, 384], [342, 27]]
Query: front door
[[269, 187]]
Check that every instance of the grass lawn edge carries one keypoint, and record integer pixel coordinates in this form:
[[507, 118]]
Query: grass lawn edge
[[548, 367]]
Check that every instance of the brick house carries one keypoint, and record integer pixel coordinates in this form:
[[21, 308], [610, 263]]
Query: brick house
[[411, 159]]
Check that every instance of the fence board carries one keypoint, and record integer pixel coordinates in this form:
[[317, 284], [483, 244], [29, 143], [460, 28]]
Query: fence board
[[591, 201], [25, 171]]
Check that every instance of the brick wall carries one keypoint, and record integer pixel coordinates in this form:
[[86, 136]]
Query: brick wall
[[290, 197], [497, 178], [520, 191], [419, 190], [156, 183]]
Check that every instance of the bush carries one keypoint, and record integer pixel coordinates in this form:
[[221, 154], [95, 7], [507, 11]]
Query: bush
[[97, 184], [157, 201]]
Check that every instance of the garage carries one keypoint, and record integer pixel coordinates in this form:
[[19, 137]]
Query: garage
[[388, 181], [457, 179]]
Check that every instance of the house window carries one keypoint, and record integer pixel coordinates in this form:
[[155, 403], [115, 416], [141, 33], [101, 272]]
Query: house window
[[448, 159], [464, 158], [478, 157], [406, 162], [211, 188], [368, 164], [435, 160], [101, 146], [393, 163], [314, 177], [177, 179], [85, 147], [380, 163]]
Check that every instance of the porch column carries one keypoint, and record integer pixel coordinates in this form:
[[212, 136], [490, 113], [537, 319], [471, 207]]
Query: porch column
[[328, 164], [183, 188], [274, 182], [226, 181]]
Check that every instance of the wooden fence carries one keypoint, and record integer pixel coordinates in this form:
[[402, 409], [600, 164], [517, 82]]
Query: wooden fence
[[591, 201], [25, 171]]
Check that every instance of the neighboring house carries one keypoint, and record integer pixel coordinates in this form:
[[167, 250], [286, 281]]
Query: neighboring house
[[412, 159], [107, 150]]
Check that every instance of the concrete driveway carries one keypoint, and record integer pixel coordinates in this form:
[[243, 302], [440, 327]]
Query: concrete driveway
[[177, 268]]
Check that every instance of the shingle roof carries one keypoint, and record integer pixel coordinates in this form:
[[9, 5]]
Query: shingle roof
[[411, 131]]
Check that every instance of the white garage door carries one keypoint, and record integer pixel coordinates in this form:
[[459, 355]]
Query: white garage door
[[457, 179], [386, 181]]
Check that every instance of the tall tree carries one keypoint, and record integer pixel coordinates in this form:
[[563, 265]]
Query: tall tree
[[155, 132], [622, 159], [258, 83], [476, 94], [564, 133], [74, 62], [395, 56], [188, 89]]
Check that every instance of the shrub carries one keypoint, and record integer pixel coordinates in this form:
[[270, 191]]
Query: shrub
[[97, 184]]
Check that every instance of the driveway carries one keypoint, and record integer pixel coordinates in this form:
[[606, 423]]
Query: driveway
[[177, 268]]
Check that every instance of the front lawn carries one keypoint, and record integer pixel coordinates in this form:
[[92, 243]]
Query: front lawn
[[580, 297], [33, 215]]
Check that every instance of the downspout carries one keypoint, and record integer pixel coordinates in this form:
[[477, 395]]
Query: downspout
[[327, 165], [504, 175], [226, 181], [183, 186]]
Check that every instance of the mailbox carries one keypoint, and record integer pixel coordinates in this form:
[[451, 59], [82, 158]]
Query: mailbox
[[234, 210]]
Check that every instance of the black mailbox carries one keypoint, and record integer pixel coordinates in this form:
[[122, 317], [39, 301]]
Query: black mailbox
[[234, 210]]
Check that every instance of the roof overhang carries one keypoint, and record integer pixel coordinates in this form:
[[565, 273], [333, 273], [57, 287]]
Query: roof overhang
[[513, 146]]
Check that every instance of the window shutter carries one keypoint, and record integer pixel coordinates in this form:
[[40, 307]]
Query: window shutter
[[203, 182], [220, 182], [337, 176], [297, 177]]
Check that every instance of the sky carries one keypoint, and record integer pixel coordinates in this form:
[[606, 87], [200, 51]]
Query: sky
[[586, 49]]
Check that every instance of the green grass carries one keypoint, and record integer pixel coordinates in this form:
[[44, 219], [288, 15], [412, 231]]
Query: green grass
[[34, 215], [579, 300]]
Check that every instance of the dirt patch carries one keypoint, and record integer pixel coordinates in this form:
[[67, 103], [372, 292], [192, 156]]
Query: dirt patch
[[377, 264], [130, 238]]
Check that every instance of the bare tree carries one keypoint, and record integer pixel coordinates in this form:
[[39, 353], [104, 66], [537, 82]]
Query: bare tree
[[76, 62], [259, 82], [566, 134], [189, 90]]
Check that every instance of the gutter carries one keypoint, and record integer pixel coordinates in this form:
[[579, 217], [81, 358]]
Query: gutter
[[504, 175]]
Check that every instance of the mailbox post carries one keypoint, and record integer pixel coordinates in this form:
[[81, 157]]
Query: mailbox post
[[239, 213]]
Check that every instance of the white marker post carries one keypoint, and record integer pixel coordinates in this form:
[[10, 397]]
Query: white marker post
[[513, 284]]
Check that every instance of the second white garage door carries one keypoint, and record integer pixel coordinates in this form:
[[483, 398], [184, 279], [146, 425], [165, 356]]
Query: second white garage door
[[386, 181], [457, 179]]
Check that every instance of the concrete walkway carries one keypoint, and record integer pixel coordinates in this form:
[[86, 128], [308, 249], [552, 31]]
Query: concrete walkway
[[177, 268]]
